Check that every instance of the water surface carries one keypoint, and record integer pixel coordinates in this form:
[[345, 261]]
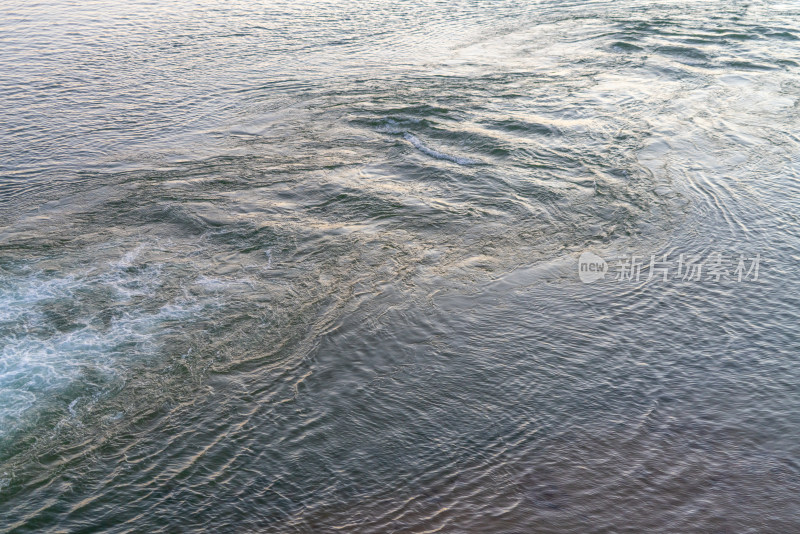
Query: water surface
[[313, 267]]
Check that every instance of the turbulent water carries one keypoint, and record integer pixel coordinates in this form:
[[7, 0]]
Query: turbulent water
[[313, 266]]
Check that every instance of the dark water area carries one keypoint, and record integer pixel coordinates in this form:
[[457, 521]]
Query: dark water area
[[316, 267]]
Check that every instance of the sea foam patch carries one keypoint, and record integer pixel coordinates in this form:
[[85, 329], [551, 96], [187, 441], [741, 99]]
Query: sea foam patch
[[66, 339]]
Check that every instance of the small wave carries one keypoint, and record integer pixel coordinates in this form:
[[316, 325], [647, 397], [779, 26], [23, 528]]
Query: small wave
[[419, 145], [623, 46], [400, 125], [682, 51]]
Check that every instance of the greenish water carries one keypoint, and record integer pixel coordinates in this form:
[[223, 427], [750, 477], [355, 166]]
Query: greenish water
[[313, 267]]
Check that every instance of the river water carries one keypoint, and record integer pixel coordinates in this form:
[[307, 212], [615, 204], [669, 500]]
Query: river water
[[313, 266]]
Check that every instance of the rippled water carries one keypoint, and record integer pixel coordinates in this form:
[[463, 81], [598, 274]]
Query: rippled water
[[313, 266]]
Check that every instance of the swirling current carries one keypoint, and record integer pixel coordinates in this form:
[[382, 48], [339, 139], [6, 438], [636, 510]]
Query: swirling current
[[316, 266]]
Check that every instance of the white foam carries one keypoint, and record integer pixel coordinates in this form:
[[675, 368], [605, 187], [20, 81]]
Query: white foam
[[42, 354], [435, 153]]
